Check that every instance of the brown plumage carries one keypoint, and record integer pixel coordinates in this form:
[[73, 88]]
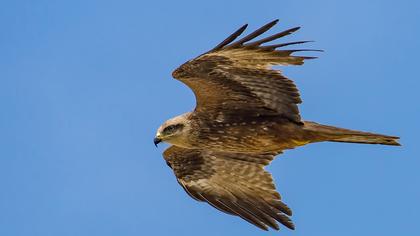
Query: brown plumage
[[246, 113], [234, 183]]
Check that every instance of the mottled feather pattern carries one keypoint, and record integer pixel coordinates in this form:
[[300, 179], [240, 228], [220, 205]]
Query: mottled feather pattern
[[274, 90], [247, 133], [260, 58], [234, 183], [243, 74]]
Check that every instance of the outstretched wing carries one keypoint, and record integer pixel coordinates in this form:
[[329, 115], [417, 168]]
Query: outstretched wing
[[236, 77], [234, 183]]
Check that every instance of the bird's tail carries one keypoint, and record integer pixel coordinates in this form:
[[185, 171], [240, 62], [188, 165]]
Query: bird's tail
[[335, 134]]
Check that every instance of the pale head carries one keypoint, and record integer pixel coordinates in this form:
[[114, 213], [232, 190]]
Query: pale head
[[174, 131]]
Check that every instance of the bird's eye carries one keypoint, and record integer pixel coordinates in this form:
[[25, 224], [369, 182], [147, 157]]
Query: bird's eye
[[169, 129], [172, 128]]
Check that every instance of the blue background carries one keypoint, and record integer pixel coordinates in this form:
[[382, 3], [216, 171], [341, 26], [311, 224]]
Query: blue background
[[85, 84]]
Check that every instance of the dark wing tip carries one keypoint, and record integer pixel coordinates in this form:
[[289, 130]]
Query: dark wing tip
[[307, 50], [309, 58], [280, 45], [294, 29], [293, 43], [254, 34], [249, 37], [272, 37], [272, 23], [230, 38], [291, 226]]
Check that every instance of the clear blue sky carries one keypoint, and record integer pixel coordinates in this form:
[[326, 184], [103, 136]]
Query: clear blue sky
[[85, 84]]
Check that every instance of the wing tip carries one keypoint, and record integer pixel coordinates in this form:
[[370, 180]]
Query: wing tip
[[227, 43], [230, 38], [274, 22], [295, 28]]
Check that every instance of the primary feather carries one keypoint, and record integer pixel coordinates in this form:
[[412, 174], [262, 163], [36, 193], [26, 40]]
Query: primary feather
[[242, 73]]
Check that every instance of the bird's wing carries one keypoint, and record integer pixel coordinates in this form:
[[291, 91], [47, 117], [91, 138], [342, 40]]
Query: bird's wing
[[236, 77], [234, 183]]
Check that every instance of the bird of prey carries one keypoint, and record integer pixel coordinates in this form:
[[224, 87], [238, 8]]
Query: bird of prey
[[246, 114]]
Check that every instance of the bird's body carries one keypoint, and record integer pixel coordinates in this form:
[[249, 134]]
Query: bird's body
[[246, 114], [256, 134], [261, 134]]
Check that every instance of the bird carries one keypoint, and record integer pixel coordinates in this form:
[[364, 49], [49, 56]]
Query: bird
[[246, 114]]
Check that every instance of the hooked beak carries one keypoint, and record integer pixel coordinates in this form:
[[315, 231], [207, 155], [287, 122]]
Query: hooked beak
[[156, 141]]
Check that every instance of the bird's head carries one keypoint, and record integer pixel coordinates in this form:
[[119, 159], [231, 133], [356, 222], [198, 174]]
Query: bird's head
[[173, 131]]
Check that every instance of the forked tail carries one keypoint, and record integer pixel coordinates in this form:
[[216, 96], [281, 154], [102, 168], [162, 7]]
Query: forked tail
[[335, 134]]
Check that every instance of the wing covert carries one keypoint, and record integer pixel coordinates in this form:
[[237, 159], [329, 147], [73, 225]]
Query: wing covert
[[236, 77], [236, 184]]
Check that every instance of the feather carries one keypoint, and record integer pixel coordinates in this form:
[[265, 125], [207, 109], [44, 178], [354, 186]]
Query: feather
[[272, 37], [230, 38], [274, 46], [254, 34], [234, 183]]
